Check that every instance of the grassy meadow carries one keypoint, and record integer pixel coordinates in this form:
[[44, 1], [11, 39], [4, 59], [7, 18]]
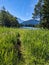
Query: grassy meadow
[[34, 46]]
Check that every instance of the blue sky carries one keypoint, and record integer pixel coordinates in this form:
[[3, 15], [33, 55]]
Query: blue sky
[[22, 9]]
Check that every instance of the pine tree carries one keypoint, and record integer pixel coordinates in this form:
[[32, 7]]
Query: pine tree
[[8, 20], [45, 14], [37, 10]]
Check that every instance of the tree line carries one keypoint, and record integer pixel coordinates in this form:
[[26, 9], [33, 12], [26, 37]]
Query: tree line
[[41, 12], [7, 20]]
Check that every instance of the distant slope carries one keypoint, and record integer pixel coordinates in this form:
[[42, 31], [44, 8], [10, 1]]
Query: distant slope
[[19, 20], [30, 22]]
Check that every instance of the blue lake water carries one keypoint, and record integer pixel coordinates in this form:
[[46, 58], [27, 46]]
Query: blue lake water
[[33, 28]]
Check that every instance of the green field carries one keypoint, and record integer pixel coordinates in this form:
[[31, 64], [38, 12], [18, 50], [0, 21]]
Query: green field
[[34, 46]]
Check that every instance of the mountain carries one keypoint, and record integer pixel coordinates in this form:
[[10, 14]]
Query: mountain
[[30, 22], [19, 20]]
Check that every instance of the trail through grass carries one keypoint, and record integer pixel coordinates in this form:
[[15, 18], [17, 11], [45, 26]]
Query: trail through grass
[[34, 46]]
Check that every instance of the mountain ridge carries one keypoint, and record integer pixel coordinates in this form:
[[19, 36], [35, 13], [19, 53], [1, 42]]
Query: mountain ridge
[[30, 22]]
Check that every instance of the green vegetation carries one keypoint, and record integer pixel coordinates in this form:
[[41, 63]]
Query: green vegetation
[[23, 46], [41, 11], [7, 20], [34, 47]]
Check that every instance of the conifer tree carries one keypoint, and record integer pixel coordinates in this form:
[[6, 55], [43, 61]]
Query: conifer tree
[[45, 14], [37, 10]]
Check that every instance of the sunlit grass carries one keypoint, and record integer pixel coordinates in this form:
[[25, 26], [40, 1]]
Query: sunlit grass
[[34, 46]]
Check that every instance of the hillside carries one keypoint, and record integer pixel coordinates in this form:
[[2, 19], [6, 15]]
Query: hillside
[[30, 22], [19, 20]]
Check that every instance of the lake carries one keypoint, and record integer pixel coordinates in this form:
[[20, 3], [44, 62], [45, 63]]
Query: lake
[[33, 28]]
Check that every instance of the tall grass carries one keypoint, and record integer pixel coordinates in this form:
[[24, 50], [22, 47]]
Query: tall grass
[[34, 47]]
